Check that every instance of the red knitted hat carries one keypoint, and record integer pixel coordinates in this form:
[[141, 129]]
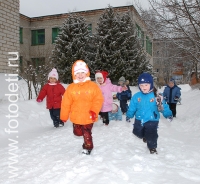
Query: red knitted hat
[[102, 74]]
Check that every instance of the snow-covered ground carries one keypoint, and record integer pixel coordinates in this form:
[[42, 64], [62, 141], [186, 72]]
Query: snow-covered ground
[[37, 153]]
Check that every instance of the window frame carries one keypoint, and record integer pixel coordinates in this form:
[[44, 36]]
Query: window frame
[[36, 62], [35, 37], [21, 35], [90, 28], [140, 34], [148, 46], [55, 32]]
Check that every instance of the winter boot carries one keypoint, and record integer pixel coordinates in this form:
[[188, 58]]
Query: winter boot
[[153, 151], [61, 124], [144, 140], [56, 124], [86, 152]]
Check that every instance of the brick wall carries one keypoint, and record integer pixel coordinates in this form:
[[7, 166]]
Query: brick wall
[[9, 35]]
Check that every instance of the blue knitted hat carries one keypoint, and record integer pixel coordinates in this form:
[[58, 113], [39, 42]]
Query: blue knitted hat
[[146, 78], [172, 80]]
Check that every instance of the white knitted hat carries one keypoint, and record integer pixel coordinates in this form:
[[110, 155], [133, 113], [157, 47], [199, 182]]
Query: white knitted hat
[[53, 73], [80, 67]]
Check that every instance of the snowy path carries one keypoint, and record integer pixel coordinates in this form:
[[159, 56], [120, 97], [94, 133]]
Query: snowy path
[[53, 156]]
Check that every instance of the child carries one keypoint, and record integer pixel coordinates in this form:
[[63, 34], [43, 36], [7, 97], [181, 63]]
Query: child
[[81, 103], [144, 107], [172, 95], [54, 91], [124, 96], [107, 88], [115, 114]]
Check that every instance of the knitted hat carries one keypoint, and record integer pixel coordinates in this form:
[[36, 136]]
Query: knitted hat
[[53, 74], [146, 78], [102, 74], [80, 66], [172, 80], [122, 79]]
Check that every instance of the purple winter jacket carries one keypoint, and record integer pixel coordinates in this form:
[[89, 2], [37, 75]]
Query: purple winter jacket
[[107, 88]]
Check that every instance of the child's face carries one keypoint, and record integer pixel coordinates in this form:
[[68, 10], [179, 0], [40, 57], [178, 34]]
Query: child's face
[[80, 76], [100, 80], [121, 83], [171, 84], [145, 88], [52, 80]]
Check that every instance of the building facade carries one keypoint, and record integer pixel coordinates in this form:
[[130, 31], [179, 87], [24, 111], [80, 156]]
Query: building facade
[[9, 35], [37, 34], [170, 61]]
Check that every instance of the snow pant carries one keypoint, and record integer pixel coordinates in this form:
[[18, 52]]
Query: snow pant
[[86, 132], [172, 107], [123, 106], [105, 117], [148, 131], [55, 116]]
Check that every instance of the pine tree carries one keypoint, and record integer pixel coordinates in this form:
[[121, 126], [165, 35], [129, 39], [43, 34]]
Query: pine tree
[[108, 50], [71, 45], [118, 48], [133, 57]]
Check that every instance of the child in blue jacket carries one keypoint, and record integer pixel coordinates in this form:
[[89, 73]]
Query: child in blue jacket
[[124, 96], [144, 107], [172, 94]]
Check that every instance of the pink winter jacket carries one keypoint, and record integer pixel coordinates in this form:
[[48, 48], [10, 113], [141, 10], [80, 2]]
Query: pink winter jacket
[[107, 88]]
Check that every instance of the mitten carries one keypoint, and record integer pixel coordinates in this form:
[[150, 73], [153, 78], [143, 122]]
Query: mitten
[[170, 118], [159, 100], [124, 88], [128, 119], [93, 115], [39, 100], [176, 98]]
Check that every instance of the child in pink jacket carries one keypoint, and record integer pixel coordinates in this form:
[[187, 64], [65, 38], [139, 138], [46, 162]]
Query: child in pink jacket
[[107, 88]]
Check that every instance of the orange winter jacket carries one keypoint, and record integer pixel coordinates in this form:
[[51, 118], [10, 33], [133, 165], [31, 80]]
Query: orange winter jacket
[[79, 99]]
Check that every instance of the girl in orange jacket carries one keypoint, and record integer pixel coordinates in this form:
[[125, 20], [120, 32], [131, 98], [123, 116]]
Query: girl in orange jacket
[[81, 103]]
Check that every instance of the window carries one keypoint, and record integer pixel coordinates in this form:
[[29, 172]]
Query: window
[[55, 32], [90, 29], [38, 37], [21, 64], [38, 62], [21, 35], [148, 46], [140, 34]]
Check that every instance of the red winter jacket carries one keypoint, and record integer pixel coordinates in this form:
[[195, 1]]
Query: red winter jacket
[[54, 95]]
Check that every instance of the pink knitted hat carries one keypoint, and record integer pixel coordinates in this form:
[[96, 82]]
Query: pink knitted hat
[[80, 66], [53, 74]]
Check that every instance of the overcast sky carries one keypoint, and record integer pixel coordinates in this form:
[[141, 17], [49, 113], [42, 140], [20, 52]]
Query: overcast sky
[[34, 8]]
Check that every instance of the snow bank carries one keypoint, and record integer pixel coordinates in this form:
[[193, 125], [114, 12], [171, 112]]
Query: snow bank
[[30, 119]]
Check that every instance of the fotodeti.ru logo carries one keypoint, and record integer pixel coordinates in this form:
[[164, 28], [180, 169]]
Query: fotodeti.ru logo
[[12, 115]]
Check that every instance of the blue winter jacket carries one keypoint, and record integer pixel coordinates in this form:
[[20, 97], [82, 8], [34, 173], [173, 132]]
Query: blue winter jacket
[[125, 95], [144, 108], [170, 94]]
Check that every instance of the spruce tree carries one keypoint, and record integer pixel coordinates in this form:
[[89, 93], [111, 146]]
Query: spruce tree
[[118, 48], [108, 50], [133, 57], [70, 45]]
